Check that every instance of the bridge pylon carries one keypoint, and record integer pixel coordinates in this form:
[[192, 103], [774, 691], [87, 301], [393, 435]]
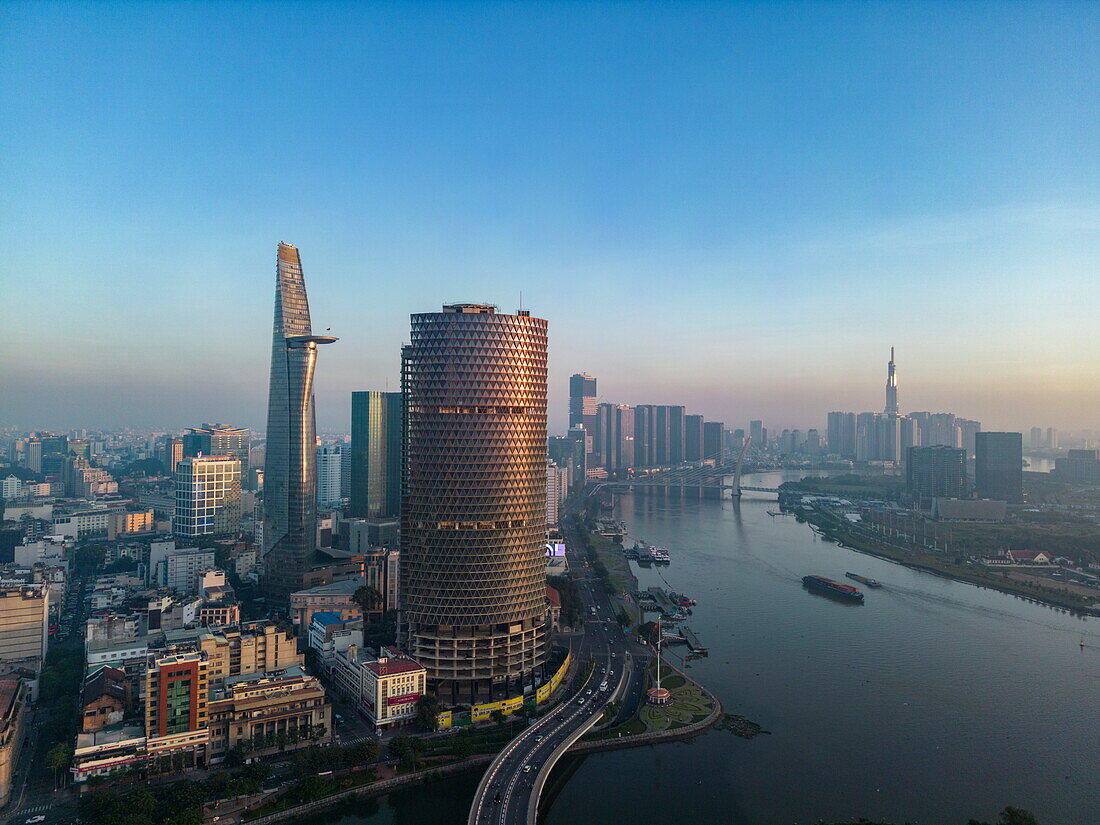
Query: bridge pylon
[[736, 491]]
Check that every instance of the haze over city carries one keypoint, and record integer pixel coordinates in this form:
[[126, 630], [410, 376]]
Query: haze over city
[[718, 190], [549, 413]]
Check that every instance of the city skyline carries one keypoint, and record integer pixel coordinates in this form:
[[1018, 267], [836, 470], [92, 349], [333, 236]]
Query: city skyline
[[945, 202], [706, 373]]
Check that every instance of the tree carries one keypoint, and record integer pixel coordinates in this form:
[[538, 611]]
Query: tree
[[400, 746], [365, 751], [369, 599], [58, 758], [1017, 816], [427, 712], [464, 747]]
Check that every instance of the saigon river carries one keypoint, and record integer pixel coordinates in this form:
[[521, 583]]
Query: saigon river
[[933, 702]]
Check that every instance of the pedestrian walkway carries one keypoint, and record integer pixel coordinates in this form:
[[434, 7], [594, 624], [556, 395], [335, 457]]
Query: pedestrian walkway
[[33, 809], [354, 738]]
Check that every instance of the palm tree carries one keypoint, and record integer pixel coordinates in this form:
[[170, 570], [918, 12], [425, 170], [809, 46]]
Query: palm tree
[[58, 758]]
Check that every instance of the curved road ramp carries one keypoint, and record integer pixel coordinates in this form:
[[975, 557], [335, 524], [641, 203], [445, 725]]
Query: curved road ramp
[[509, 791]]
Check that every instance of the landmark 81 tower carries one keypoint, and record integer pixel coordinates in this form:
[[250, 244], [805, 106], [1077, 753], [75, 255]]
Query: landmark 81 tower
[[290, 464], [473, 527]]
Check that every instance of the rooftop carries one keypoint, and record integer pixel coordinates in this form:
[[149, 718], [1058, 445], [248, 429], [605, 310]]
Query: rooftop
[[345, 587], [9, 689], [109, 736], [391, 667], [483, 309]]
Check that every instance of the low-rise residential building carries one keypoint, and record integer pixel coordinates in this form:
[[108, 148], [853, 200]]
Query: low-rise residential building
[[43, 551], [112, 628], [14, 696], [105, 699], [219, 614], [180, 569], [129, 522], [129, 656], [244, 559], [337, 597], [81, 524], [253, 647]]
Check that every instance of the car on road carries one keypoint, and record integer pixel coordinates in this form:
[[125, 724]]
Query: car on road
[[36, 819], [526, 768]]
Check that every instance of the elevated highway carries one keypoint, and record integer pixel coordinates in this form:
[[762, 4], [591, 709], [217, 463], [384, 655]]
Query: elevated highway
[[509, 792]]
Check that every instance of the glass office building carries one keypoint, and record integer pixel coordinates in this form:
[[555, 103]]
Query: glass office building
[[376, 435], [208, 496], [290, 464]]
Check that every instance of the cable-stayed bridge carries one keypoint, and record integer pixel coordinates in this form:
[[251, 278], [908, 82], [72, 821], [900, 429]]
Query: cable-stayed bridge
[[715, 473]]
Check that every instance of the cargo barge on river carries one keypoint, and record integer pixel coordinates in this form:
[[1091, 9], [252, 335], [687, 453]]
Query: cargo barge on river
[[833, 588]]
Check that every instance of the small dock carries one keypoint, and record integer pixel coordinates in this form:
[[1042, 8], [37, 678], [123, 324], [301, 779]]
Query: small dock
[[693, 641], [663, 601], [614, 530]]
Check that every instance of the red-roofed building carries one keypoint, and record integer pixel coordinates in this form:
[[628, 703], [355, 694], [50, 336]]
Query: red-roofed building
[[386, 687], [391, 686]]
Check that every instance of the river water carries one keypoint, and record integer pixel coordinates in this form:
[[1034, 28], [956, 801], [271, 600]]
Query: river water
[[933, 702]]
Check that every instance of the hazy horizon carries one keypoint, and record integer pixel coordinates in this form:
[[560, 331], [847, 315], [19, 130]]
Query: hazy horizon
[[735, 208]]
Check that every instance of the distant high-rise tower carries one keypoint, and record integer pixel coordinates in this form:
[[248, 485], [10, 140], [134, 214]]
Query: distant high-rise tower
[[998, 466], [842, 434], [290, 463], [935, 472], [891, 386], [582, 405], [1036, 438], [473, 522], [330, 474], [376, 433], [693, 438], [756, 433], [217, 439], [208, 496]]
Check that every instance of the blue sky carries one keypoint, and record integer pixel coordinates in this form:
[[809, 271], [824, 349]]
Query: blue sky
[[738, 207]]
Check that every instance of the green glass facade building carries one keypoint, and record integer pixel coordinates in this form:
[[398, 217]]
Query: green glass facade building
[[376, 449]]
